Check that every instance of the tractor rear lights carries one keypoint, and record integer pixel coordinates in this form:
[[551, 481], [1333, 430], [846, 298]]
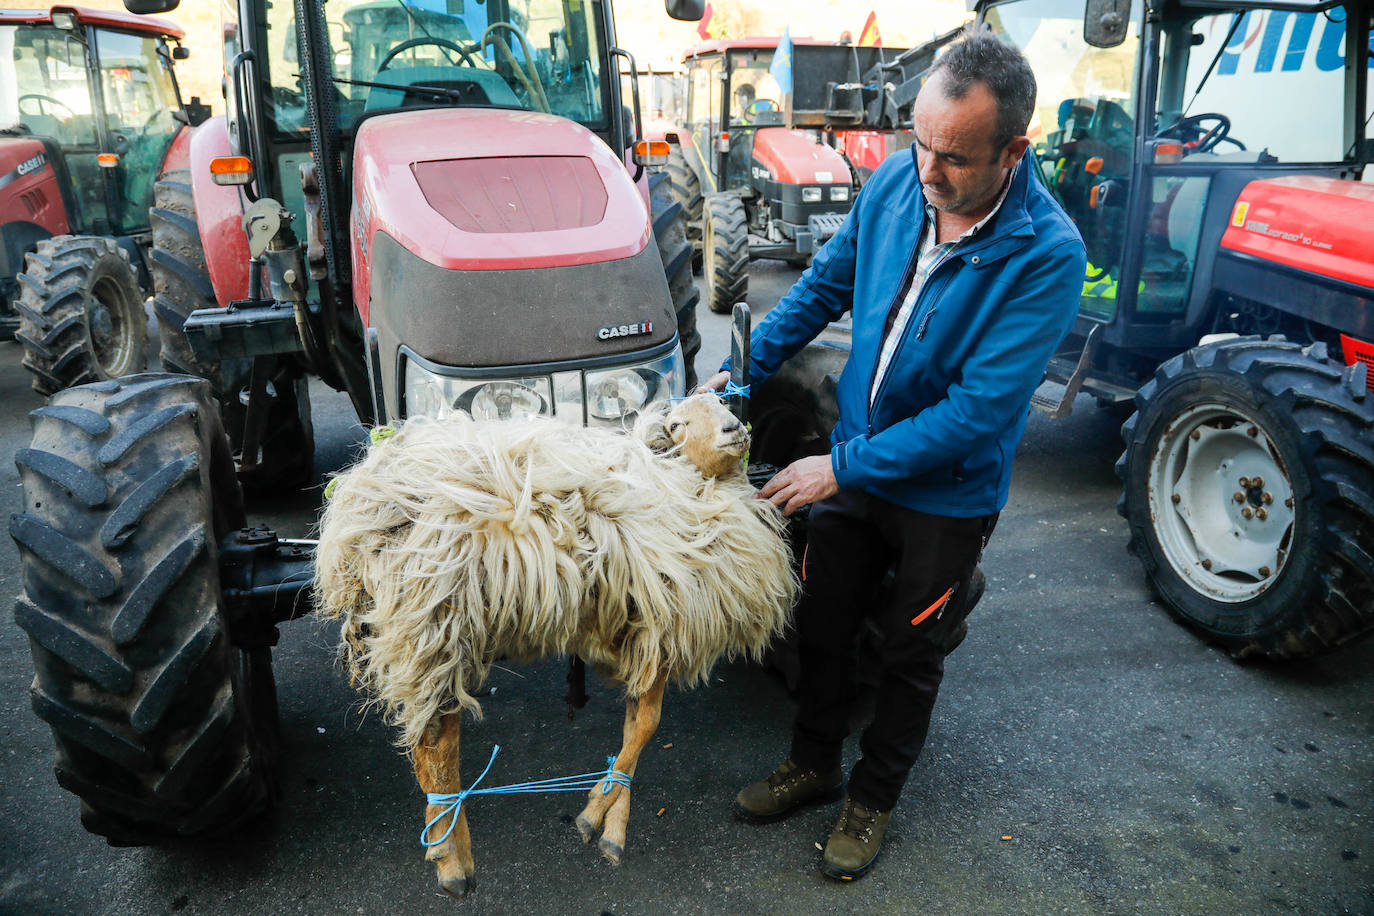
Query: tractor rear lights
[[107, 160], [651, 153], [839, 192], [231, 170], [811, 195]]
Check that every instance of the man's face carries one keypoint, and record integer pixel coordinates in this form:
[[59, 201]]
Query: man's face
[[961, 168]]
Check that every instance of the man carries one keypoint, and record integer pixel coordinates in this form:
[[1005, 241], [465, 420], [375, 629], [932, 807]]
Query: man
[[963, 275]]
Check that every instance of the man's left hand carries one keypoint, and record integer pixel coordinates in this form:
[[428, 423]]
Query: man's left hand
[[801, 483]]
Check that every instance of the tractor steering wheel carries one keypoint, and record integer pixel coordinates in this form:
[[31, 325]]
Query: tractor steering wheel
[[46, 99], [425, 40], [1202, 139]]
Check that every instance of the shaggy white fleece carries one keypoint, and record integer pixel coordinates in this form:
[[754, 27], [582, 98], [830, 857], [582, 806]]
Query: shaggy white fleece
[[456, 542]]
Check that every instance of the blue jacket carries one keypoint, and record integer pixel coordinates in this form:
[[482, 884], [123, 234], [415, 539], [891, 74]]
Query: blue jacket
[[943, 429]]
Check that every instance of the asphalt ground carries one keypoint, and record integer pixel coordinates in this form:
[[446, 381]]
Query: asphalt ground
[[1088, 755]]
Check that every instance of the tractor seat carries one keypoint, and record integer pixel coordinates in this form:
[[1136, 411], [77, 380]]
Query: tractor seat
[[41, 125]]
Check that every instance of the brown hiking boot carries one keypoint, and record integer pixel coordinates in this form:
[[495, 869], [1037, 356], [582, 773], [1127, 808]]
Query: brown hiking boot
[[855, 842], [786, 789]]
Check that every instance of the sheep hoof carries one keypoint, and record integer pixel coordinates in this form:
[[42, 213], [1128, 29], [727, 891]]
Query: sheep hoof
[[585, 828], [613, 852], [458, 888]]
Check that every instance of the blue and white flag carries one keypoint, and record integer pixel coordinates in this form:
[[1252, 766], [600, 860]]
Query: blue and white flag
[[781, 68]]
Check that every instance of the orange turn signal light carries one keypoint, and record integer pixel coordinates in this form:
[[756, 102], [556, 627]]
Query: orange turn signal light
[[107, 160], [651, 152], [231, 170], [1093, 196], [1093, 165]]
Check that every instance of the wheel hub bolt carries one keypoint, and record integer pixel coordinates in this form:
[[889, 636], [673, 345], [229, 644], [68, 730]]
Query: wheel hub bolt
[[1206, 564], [1246, 512], [1264, 571], [1261, 514], [1252, 432], [1239, 497], [1267, 498], [1288, 503], [1195, 435], [1245, 482], [1258, 482], [1176, 499]]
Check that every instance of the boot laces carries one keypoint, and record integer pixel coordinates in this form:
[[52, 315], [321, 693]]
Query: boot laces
[[858, 821], [785, 777]]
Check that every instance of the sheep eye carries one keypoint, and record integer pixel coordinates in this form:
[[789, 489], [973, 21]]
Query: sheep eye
[[674, 426]]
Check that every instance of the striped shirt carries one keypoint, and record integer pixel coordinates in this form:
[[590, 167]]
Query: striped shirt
[[930, 255]]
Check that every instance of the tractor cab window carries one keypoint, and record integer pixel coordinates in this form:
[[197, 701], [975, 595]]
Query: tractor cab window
[[1082, 130], [43, 87], [140, 103], [755, 99], [1255, 84], [538, 55]]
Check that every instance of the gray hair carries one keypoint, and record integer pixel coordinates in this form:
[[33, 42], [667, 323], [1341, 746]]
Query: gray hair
[[984, 58]]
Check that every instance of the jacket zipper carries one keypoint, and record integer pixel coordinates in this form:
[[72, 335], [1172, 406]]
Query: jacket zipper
[[920, 333], [901, 293]]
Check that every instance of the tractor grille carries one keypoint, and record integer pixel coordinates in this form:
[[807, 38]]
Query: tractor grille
[[1358, 351]]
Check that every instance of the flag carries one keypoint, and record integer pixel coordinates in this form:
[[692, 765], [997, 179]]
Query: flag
[[781, 67], [869, 36], [702, 30]]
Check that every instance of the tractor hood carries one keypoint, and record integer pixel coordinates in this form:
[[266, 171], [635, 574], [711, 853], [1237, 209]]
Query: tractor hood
[[1308, 223], [794, 158], [483, 189], [485, 240]]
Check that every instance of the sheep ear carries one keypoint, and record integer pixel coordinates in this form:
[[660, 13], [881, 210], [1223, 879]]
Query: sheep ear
[[651, 428]]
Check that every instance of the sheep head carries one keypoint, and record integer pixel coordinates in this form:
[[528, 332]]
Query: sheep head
[[702, 430]]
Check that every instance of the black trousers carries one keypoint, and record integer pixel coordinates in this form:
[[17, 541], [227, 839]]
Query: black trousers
[[853, 539]]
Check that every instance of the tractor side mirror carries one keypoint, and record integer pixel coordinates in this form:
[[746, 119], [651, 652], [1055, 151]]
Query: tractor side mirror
[[180, 53], [681, 10], [149, 7], [1104, 22]]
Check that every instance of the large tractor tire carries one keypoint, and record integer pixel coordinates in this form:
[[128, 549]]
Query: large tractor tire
[[1249, 491], [165, 726], [181, 284], [794, 411], [676, 253], [687, 190], [725, 252], [81, 315]]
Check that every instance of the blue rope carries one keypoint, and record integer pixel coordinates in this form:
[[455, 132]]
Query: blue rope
[[731, 391], [453, 803]]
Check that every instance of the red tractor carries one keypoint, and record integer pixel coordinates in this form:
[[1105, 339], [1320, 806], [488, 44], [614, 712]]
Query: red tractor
[[755, 161], [1211, 154], [433, 205], [90, 115]]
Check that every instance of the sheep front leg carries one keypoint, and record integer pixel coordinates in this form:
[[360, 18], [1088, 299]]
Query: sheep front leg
[[436, 767], [613, 808]]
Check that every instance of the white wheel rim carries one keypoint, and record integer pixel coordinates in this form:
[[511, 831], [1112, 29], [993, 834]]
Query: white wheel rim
[[1227, 548]]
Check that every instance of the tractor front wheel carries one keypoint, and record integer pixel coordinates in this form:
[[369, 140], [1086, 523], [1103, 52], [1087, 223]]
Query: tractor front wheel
[[725, 252], [81, 315], [164, 715], [1249, 490]]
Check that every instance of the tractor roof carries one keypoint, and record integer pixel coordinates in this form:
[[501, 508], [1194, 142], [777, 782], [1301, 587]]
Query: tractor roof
[[88, 16], [763, 43]]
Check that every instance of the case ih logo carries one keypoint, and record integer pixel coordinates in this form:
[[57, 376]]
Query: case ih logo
[[28, 165], [625, 330]]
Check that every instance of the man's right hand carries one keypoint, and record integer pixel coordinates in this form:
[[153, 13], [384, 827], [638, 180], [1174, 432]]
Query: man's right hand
[[715, 383]]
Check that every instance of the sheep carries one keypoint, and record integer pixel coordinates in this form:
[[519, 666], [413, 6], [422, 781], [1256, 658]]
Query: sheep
[[458, 542]]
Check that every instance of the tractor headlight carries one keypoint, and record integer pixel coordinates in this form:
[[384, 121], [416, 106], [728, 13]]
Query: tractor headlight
[[495, 399], [598, 397], [839, 192], [811, 195], [616, 396]]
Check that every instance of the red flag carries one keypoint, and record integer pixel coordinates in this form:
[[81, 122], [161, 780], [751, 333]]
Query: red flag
[[701, 26], [869, 36]]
